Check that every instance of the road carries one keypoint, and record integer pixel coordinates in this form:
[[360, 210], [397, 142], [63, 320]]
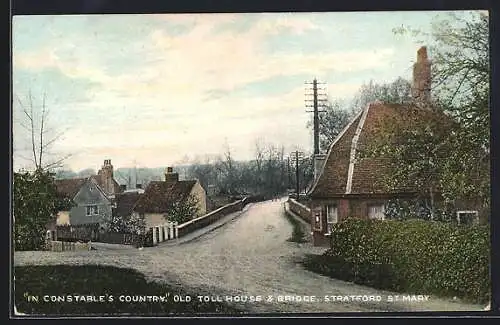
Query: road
[[250, 255]]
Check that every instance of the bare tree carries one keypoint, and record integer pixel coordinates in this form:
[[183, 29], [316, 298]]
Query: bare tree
[[259, 158], [42, 138]]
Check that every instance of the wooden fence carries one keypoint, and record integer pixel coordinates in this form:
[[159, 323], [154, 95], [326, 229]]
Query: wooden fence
[[63, 246], [73, 233]]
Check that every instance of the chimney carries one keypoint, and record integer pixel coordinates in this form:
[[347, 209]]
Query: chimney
[[170, 176], [319, 160], [421, 88], [106, 175]]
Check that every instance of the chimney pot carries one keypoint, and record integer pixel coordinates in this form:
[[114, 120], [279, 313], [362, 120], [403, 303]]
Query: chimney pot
[[170, 176], [422, 54]]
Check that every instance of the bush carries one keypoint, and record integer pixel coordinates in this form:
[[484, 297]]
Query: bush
[[423, 257], [35, 204]]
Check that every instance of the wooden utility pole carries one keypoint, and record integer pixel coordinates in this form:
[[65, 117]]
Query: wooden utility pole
[[297, 187], [296, 156], [288, 173]]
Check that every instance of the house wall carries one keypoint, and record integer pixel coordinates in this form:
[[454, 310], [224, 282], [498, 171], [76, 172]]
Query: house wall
[[351, 207], [200, 193], [89, 194], [154, 219], [62, 218]]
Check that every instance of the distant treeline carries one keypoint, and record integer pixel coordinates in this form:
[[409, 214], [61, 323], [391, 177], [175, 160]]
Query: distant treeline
[[270, 172]]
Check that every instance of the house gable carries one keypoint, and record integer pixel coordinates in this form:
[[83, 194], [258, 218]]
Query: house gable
[[199, 192], [90, 194]]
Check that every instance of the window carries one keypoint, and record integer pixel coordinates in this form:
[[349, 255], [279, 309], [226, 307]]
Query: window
[[376, 212], [317, 212], [467, 217], [92, 210], [331, 217]]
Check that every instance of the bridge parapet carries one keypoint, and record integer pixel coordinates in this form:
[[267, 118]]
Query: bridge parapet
[[300, 209]]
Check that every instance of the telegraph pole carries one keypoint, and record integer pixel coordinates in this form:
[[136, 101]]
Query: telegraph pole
[[318, 101], [288, 173], [297, 187], [296, 157]]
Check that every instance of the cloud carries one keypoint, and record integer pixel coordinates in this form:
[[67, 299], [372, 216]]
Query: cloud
[[161, 108]]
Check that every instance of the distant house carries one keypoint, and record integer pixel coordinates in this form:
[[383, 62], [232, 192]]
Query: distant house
[[105, 179], [347, 184], [155, 202], [93, 197], [92, 205]]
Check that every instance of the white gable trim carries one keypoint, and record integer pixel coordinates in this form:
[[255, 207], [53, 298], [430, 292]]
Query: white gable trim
[[354, 145], [330, 150]]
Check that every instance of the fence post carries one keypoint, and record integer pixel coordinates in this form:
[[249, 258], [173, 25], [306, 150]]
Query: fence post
[[170, 230], [160, 233], [154, 236]]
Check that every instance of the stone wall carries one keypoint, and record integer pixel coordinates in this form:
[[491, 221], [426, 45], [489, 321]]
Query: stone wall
[[215, 215], [300, 210]]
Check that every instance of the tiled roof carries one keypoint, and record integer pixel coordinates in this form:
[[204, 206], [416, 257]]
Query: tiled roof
[[98, 180], [159, 195], [364, 177], [125, 203], [69, 187]]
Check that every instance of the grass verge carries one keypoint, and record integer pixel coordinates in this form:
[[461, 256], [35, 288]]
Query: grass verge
[[102, 282]]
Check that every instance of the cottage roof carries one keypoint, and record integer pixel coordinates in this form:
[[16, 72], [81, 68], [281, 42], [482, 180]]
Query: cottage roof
[[159, 195], [345, 170], [125, 203], [69, 187], [98, 179]]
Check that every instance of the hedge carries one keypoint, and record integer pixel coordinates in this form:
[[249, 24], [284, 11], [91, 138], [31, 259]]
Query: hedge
[[412, 256]]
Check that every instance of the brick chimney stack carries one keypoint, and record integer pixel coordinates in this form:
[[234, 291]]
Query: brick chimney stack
[[106, 175], [170, 176], [421, 88]]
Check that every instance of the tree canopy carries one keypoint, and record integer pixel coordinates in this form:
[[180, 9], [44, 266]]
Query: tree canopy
[[35, 204], [460, 91]]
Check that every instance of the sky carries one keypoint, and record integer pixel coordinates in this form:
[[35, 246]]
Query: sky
[[164, 89]]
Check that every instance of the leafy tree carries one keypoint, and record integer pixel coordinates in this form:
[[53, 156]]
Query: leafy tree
[[132, 224], [35, 204], [181, 211], [339, 113], [396, 92], [460, 88], [415, 147], [331, 122], [65, 173]]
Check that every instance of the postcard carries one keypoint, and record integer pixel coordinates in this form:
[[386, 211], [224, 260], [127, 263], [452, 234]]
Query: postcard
[[237, 164]]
